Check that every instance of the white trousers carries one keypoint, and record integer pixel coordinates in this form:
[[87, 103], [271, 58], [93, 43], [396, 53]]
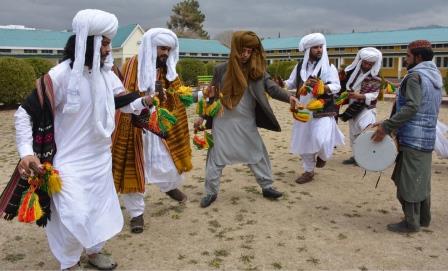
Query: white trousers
[[308, 161], [64, 246], [135, 202]]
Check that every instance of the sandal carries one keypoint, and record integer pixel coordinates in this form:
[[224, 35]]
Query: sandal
[[102, 261], [137, 224]]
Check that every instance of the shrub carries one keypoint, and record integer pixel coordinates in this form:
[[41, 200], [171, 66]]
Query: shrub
[[189, 69], [210, 66], [17, 79], [281, 68], [41, 66]]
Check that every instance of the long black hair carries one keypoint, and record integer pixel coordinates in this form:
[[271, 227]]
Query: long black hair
[[69, 51]]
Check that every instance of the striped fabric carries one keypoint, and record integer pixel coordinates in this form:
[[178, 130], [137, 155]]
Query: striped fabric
[[127, 155]]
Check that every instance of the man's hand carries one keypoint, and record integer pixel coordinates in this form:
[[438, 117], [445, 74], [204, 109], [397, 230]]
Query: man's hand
[[24, 167], [198, 122], [293, 101], [311, 81], [357, 96], [148, 100], [379, 133]]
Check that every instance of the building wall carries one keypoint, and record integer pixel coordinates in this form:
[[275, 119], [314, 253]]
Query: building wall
[[393, 58]]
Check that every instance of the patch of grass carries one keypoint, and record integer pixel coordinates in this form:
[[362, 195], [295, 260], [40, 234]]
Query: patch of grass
[[221, 253], [14, 257], [215, 263], [247, 259], [277, 265], [214, 223]]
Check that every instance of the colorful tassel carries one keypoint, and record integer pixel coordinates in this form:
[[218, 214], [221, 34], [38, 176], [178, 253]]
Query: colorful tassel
[[185, 95], [30, 209], [302, 115], [203, 143], [319, 88], [316, 105], [342, 99], [214, 109]]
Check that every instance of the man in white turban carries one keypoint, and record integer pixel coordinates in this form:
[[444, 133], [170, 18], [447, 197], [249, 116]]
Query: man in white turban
[[80, 90], [315, 140], [360, 79], [142, 156]]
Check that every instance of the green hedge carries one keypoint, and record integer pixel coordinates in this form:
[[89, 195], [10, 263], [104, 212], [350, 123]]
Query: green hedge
[[17, 79], [189, 69], [281, 68], [41, 66], [210, 66]]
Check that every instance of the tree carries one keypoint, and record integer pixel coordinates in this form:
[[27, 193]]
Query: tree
[[187, 20]]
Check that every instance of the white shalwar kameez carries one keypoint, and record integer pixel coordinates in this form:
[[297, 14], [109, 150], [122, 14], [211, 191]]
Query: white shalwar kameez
[[86, 213], [318, 136]]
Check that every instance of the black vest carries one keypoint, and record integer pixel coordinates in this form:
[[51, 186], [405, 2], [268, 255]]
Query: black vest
[[329, 107]]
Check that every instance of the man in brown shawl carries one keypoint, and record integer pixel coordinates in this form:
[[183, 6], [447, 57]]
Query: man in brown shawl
[[241, 85]]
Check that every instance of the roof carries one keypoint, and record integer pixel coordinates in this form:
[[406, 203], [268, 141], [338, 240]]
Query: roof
[[19, 38], [377, 38], [202, 46], [122, 35]]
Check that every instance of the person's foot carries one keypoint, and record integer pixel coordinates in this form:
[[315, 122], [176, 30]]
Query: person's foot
[[402, 227], [320, 163], [137, 224], [102, 261], [208, 199], [424, 224], [306, 177], [176, 194], [271, 193], [349, 161]]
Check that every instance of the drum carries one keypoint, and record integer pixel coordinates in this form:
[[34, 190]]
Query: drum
[[373, 156]]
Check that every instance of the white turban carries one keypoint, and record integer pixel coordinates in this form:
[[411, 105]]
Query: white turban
[[369, 54], [97, 23], [308, 41], [147, 57]]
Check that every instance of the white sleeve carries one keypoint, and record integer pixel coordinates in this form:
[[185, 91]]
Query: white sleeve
[[371, 96], [24, 132], [135, 107], [291, 83], [334, 85]]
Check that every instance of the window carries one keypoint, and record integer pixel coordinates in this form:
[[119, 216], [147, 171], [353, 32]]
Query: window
[[193, 54], [28, 51], [225, 54], [204, 54], [442, 61], [5, 50], [47, 51], [182, 54], [215, 54], [388, 62], [60, 51], [403, 62], [334, 61]]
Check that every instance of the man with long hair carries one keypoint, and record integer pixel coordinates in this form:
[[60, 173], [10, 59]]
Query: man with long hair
[[241, 85]]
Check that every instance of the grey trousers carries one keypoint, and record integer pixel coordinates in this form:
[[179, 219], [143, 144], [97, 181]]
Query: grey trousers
[[262, 171], [416, 213]]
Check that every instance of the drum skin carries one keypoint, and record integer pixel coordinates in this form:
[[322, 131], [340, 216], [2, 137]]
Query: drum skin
[[373, 156]]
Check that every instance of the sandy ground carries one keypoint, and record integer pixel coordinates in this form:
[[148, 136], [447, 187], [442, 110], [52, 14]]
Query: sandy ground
[[336, 222]]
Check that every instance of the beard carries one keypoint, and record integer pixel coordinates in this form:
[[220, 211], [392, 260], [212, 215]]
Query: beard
[[161, 61], [410, 66]]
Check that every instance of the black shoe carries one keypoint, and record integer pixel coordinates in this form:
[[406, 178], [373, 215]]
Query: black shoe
[[271, 193], [349, 161], [176, 194], [320, 163], [207, 200], [402, 227]]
